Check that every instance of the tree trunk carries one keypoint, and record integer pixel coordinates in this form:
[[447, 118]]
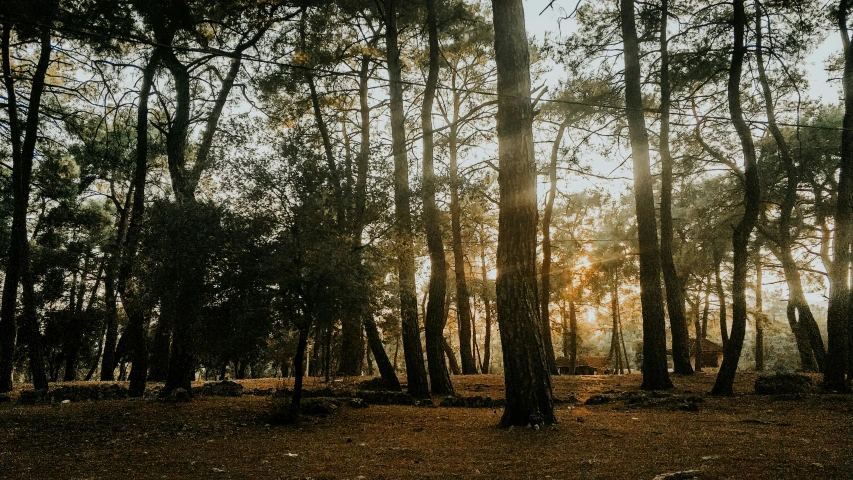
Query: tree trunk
[[545, 306], [434, 320], [23, 149], [752, 191], [463, 302], [32, 331], [528, 380], [783, 237], [797, 304], [412, 349], [160, 346], [451, 357], [674, 287], [135, 333], [386, 370], [299, 373], [759, 314], [721, 298], [655, 375], [487, 336], [838, 316]]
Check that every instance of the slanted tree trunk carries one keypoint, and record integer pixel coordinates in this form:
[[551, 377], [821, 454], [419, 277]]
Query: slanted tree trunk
[[386, 370], [838, 323], [434, 320], [752, 190], [412, 349], [655, 375], [674, 287], [528, 380], [23, 145], [545, 305], [808, 330]]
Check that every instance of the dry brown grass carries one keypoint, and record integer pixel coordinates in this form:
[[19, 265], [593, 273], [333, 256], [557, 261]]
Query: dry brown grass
[[746, 436]]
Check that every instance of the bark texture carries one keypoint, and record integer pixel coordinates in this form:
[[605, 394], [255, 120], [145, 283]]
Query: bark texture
[[528, 381]]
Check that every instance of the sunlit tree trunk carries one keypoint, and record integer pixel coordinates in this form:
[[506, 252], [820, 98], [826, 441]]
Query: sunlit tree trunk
[[545, 306], [528, 381], [655, 375]]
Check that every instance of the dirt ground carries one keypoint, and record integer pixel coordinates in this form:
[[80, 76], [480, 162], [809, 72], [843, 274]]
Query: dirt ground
[[746, 436]]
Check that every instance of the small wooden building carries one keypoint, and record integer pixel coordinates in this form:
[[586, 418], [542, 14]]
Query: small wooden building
[[586, 365], [712, 353]]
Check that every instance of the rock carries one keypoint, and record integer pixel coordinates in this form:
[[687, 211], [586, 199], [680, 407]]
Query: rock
[[357, 403], [319, 406], [179, 395], [563, 400], [598, 400], [689, 407], [66, 402], [784, 383], [224, 388]]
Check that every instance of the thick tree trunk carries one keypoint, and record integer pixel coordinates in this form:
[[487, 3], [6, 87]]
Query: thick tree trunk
[[434, 320], [412, 349], [838, 323], [655, 374], [463, 302], [752, 190], [798, 306], [23, 149], [160, 346], [451, 357], [674, 287], [545, 305], [528, 380]]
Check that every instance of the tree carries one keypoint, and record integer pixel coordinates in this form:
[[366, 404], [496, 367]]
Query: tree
[[528, 381], [23, 150], [435, 317], [655, 374], [838, 317], [415, 368], [742, 231], [674, 287]]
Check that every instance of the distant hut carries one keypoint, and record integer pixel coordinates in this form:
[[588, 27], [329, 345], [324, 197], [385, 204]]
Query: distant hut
[[592, 365], [712, 353]]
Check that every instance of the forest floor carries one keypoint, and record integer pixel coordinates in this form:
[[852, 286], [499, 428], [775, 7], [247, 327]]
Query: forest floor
[[745, 436]]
